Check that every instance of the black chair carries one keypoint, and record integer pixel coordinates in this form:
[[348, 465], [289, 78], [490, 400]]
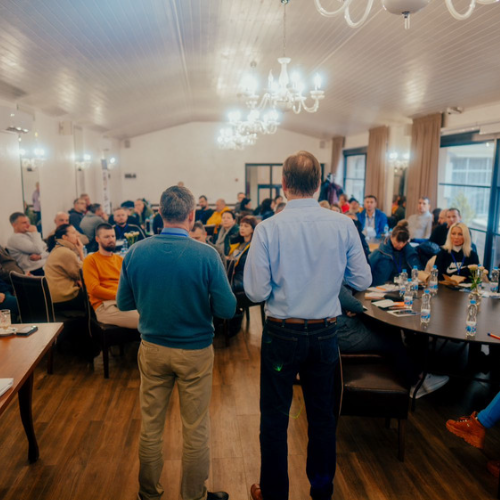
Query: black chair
[[106, 335], [35, 305], [373, 389]]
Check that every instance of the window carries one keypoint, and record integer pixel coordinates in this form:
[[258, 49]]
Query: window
[[354, 173], [465, 178]]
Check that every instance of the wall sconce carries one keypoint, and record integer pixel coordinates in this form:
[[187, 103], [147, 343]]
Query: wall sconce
[[398, 161]]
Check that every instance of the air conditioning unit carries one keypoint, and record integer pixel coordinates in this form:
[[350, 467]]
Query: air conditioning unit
[[13, 120]]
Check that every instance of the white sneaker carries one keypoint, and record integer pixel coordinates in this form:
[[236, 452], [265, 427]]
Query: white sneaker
[[431, 383]]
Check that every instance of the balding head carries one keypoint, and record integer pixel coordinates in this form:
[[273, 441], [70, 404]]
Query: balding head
[[220, 205], [301, 174], [61, 218]]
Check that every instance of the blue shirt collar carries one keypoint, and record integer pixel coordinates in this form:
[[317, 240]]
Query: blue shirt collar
[[175, 231], [302, 203]]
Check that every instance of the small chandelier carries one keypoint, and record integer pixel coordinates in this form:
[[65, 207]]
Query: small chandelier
[[399, 7], [230, 138], [253, 124], [286, 93]]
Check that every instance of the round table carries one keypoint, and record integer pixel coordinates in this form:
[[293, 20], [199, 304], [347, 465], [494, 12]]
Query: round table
[[448, 315]]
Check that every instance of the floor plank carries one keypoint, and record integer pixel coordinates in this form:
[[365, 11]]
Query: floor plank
[[88, 428]]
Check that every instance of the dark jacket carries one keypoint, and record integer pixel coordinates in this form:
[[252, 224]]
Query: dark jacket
[[75, 218], [128, 228], [386, 262], [203, 215], [380, 221], [7, 264], [446, 265], [239, 266], [439, 235]]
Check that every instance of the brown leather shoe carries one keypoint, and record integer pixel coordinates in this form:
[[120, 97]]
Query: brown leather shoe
[[256, 492], [469, 429], [494, 467]]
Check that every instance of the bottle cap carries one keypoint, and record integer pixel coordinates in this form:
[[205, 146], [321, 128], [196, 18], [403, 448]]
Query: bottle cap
[[434, 266], [409, 280], [472, 301], [415, 267], [427, 291], [404, 270]]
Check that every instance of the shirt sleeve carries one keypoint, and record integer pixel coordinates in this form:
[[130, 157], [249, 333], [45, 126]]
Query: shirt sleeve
[[358, 274], [125, 299], [223, 301], [29, 245], [428, 228], [257, 274]]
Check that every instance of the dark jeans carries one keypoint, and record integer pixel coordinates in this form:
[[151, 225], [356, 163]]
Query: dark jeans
[[313, 353]]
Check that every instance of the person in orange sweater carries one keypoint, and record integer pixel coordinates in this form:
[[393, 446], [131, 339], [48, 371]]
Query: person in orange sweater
[[101, 273]]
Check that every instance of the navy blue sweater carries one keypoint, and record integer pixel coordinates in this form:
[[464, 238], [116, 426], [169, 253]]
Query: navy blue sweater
[[177, 284]]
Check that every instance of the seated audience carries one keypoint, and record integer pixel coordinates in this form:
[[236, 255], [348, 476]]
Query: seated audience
[[343, 203], [240, 197], [77, 212], [157, 224], [440, 233], [202, 214], [325, 204], [245, 207], [26, 245], [216, 218], [354, 207], [436, 215], [62, 269], [400, 212], [264, 210], [101, 272], [239, 251], [280, 207], [276, 201], [393, 255], [473, 429], [131, 218], [420, 224], [336, 208], [395, 205], [354, 218], [372, 219], [86, 197], [142, 212], [198, 232], [93, 218], [122, 225], [228, 229], [7, 299], [60, 219], [456, 254], [7, 265]]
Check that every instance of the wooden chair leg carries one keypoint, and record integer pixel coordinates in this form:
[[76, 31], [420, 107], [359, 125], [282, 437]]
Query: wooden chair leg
[[401, 439], [50, 360], [225, 329], [247, 314], [105, 359]]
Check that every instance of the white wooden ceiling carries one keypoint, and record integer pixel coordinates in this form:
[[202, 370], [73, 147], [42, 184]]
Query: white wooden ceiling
[[128, 67]]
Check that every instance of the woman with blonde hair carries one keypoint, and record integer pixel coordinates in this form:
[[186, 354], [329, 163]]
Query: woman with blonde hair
[[457, 254]]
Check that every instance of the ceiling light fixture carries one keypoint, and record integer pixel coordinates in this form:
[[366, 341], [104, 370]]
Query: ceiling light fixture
[[230, 138], [286, 93], [253, 124], [400, 7]]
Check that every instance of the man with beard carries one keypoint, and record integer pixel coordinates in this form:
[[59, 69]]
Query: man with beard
[[101, 272]]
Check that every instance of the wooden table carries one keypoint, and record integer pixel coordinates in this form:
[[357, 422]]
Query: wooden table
[[19, 357], [448, 315]]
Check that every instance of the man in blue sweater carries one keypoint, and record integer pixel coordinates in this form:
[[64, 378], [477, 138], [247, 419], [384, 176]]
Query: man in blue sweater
[[177, 284]]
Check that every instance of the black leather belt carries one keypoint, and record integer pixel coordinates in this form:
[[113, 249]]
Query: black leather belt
[[298, 321]]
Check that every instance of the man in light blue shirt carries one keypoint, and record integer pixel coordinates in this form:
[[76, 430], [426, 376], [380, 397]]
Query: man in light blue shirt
[[297, 262]]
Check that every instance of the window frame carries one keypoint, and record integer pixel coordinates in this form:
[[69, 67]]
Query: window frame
[[363, 151]]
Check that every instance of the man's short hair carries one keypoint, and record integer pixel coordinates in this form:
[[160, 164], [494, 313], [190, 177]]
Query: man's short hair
[[103, 227], [119, 208], [176, 203], [371, 196], [94, 207], [198, 225], [76, 200], [302, 173], [13, 218], [425, 198], [456, 210], [204, 197]]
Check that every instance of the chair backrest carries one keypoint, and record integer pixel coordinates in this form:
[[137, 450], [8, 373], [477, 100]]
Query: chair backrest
[[89, 310], [33, 298]]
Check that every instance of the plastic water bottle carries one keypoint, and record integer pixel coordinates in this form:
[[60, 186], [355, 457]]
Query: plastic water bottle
[[124, 249], [386, 230], [409, 294], [425, 309], [494, 280], [433, 281], [85, 252], [414, 279], [471, 324], [403, 278]]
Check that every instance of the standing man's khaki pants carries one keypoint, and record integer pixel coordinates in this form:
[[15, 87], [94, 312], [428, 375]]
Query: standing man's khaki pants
[[160, 368]]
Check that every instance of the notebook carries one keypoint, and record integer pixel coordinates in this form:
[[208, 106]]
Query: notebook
[[5, 384]]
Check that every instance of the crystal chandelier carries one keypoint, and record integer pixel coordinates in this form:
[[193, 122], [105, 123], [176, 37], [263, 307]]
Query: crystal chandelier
[[230, 138], [286, 93], [400, 7], [253, 124]]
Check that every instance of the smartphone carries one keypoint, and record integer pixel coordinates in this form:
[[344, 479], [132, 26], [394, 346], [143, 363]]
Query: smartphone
[[27, 330]]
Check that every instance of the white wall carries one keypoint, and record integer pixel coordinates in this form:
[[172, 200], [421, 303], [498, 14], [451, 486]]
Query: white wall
[[11, 196], [189, 153]]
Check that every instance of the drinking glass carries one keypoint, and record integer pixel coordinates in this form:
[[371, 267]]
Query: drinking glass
[[5, 319]]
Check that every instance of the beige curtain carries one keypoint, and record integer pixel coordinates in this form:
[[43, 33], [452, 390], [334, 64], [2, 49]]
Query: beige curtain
[[337, 146], [376, 164], [423, 172]]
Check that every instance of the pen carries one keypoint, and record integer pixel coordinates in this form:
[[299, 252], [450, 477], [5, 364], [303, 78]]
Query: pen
[[494, 336]]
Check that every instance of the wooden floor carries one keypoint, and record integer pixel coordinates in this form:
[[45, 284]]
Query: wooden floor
[[88, 429]]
